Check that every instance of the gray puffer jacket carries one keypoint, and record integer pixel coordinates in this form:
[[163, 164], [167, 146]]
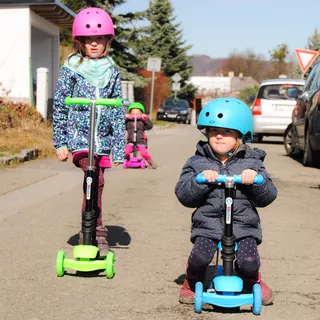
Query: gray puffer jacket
[[208, 218]]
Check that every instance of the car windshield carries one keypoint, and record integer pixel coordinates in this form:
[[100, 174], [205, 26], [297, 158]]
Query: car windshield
[[179, 104], [278, 91]]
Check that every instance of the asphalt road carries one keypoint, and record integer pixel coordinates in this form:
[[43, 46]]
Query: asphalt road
[[149, 232]]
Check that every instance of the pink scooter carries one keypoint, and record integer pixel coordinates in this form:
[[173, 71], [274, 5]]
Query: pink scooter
[[134, 161]]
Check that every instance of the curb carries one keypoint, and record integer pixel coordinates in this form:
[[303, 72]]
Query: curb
[[24, 155]]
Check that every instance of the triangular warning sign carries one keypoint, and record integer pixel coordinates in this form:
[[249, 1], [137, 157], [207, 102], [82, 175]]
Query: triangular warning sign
[[306, 58]]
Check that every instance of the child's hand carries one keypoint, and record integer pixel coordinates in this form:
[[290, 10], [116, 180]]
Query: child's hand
[[144, 117], [127, 116], [210, 175], [62, 154], [248, 176]]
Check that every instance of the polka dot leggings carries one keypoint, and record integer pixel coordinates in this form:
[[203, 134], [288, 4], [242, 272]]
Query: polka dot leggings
[[247, 256], [98, 182]]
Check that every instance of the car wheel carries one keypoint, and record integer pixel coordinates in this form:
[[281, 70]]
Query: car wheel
[[257, 138], [290, 142], [310, 158]]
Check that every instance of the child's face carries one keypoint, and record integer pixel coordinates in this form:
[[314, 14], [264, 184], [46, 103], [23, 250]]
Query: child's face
[[95, 45], [222, 140], [135, 112]]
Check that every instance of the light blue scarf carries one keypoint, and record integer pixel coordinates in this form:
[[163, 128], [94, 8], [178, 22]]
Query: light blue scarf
[[96, 71]]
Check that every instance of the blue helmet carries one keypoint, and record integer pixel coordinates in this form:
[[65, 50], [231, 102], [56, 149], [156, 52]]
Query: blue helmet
[[229, 113]]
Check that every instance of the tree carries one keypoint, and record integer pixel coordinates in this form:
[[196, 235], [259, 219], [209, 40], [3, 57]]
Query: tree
[[163, 39], [314, 41], [125, 59], [314, 44], [278, 56], [248, 63]]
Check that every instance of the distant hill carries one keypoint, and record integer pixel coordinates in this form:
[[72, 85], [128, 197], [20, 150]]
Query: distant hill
[[204, 65]]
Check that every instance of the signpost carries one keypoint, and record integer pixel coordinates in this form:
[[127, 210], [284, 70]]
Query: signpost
[[154, 64], [176, 85], [306, 58]]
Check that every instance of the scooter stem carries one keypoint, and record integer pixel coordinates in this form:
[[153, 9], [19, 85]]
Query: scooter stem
[[91, 135], [135, 137], [89, 215], [228, 239]]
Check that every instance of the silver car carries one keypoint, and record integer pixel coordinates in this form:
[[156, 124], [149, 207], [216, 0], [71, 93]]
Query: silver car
[[272, 107]]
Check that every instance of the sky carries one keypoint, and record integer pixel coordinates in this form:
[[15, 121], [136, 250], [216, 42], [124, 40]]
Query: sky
[[219, 28]]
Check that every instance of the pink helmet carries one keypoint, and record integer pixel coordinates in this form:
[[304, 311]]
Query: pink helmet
[[92, 22]]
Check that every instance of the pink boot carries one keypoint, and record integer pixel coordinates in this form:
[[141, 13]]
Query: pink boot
[[267, 295], [187, 290]]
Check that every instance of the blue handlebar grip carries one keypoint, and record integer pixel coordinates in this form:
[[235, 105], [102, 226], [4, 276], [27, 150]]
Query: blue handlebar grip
[[200, 178], [222, 178], [258, 179]]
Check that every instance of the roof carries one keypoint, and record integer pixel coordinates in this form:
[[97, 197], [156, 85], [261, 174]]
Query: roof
[[283, 80], [51, 10]]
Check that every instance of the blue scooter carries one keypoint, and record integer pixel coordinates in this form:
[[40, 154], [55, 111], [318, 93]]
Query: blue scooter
[[225, 289]]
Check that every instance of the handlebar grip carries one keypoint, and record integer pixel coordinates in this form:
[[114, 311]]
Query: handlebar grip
[[100, 101], [69, 100], [132, 117], [222, 178]]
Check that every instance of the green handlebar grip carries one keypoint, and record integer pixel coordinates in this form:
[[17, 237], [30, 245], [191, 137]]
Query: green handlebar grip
[[109, 102], [100, 101]]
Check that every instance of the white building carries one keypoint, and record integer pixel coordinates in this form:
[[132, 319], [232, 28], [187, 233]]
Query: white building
[[30, 40], [214, 87]]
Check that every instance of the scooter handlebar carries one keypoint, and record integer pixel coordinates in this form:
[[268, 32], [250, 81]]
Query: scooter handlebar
[[132, 117], [222, 178], [100, 101]]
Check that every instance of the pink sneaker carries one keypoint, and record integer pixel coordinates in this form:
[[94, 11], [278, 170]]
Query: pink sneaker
[[267, 295], [105, 162]]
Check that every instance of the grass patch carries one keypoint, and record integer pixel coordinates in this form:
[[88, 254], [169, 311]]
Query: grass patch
[[22, 127]]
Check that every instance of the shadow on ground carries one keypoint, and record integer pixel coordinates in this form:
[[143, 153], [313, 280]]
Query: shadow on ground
[[118, 238]]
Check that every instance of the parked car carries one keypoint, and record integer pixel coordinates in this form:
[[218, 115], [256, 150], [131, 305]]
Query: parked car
[[175, 110], [305, 129], [272, 107]]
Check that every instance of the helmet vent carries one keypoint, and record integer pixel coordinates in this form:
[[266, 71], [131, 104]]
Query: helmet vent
[[99, 25], [87, 26], [207, 114], [220, 115]]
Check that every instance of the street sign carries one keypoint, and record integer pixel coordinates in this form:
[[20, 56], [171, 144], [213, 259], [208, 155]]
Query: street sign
[[176, 77], [154, 64], [306, 58], [176, 86]]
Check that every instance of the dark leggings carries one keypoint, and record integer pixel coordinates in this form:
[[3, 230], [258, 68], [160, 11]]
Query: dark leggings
[[98, 183], [247, 256]]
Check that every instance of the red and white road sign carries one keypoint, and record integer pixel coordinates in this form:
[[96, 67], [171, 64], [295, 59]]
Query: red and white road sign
[[306, 58]]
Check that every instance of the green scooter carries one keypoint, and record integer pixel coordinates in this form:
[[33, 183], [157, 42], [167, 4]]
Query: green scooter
[[86, 257]]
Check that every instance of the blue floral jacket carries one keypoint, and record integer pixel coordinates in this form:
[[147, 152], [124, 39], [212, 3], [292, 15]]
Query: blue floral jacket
[[71, 123]]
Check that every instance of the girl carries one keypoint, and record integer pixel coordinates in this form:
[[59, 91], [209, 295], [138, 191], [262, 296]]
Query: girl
[[89, 72], [227, 123], [136, 109]]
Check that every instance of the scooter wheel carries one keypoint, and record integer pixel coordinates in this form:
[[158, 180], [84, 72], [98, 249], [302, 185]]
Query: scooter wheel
[[257, 299], [60, 263], [198, 295], [110, 265]]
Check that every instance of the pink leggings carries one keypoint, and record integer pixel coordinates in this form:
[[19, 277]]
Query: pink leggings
[[142, 150], [98, 182]]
